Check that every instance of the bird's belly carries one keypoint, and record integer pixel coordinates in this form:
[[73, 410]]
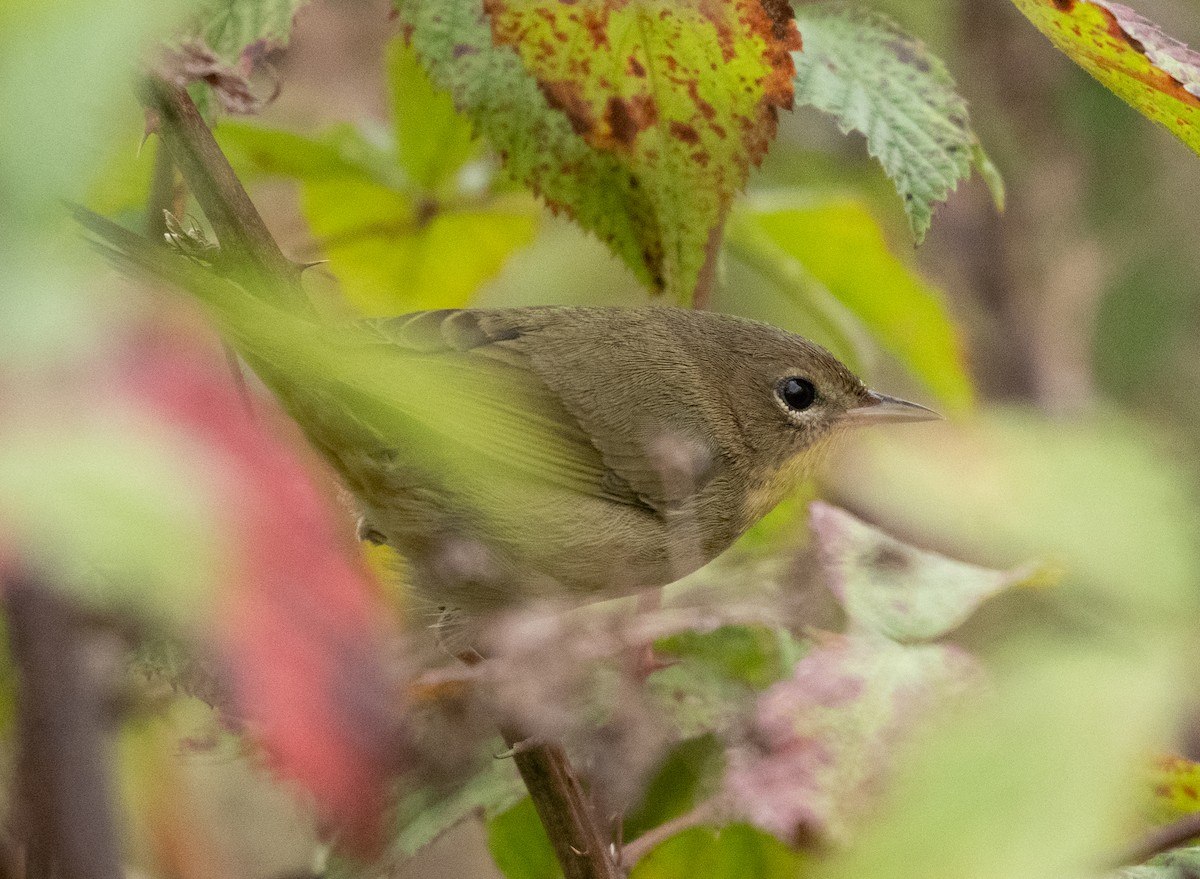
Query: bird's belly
[[511, 544]]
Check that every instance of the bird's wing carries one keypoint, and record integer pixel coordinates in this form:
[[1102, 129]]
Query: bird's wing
[[492, 404]]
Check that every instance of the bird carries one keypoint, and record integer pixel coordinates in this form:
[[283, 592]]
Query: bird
[[595, 451], [542, 452]]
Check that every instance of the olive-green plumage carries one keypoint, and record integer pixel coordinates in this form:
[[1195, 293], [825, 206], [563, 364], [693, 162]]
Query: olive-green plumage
[[515, 453], [591, 451]]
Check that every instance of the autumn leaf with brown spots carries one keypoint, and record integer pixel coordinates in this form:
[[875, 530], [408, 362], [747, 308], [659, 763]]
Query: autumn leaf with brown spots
[[638, 118], [1152, 72]]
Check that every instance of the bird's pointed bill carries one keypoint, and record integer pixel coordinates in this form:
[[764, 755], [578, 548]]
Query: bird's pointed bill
[[883, 409]]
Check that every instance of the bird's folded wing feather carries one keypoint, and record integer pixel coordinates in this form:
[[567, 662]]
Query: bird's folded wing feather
[[483, 397]]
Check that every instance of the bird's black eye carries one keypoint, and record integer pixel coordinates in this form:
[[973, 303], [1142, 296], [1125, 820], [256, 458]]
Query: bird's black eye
[[797, 393]]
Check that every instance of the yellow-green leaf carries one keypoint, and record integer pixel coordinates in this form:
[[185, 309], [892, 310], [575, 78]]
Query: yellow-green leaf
[[395, 254], [393, 247], [432, 139]]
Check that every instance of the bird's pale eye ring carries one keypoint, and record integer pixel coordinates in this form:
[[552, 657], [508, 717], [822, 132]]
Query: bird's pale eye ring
[[796, 393]]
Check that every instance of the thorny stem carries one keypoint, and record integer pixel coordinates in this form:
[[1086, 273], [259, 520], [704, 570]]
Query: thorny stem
[[162, 194], [243, 236], [579, 845], [68, 815], [553, 785]]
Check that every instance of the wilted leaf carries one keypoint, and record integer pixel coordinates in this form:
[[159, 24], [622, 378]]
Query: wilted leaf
[[860, 66], [244, 29], [222, 44], [1151, 71], [827, 738], [193, 61], [734, 852], [896, 590], [641, 120], [841, 244]]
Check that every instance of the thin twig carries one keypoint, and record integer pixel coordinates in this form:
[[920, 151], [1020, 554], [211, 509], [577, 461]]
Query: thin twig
[[68, 811], [1162, 840], [706, 812], [706, 280]]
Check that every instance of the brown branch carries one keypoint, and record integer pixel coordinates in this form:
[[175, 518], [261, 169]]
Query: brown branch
[[1162, 840], [579, 845], [706, 280], [240, 230], [66, 806], [582, 850]]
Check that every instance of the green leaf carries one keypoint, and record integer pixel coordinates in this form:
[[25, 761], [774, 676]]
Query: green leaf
[[232, 28], [734, 852], [1040, 778], [839, 243], [1174, 864], [860, 66], [696, 698], [691, 772], [340, 152], [422, 814], [1096, 495], [751, 655], [1151, 71], [432, 140], [393, 247], [392, 257], [519, 844], [640, 121]]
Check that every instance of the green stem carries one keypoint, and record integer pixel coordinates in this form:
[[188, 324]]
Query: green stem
[[746, 242]]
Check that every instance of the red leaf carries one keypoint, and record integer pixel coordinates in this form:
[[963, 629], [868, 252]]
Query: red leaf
[[299, 625]]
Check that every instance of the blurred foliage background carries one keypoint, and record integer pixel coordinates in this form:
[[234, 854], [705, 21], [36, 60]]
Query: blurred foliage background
[[1077, 306]]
